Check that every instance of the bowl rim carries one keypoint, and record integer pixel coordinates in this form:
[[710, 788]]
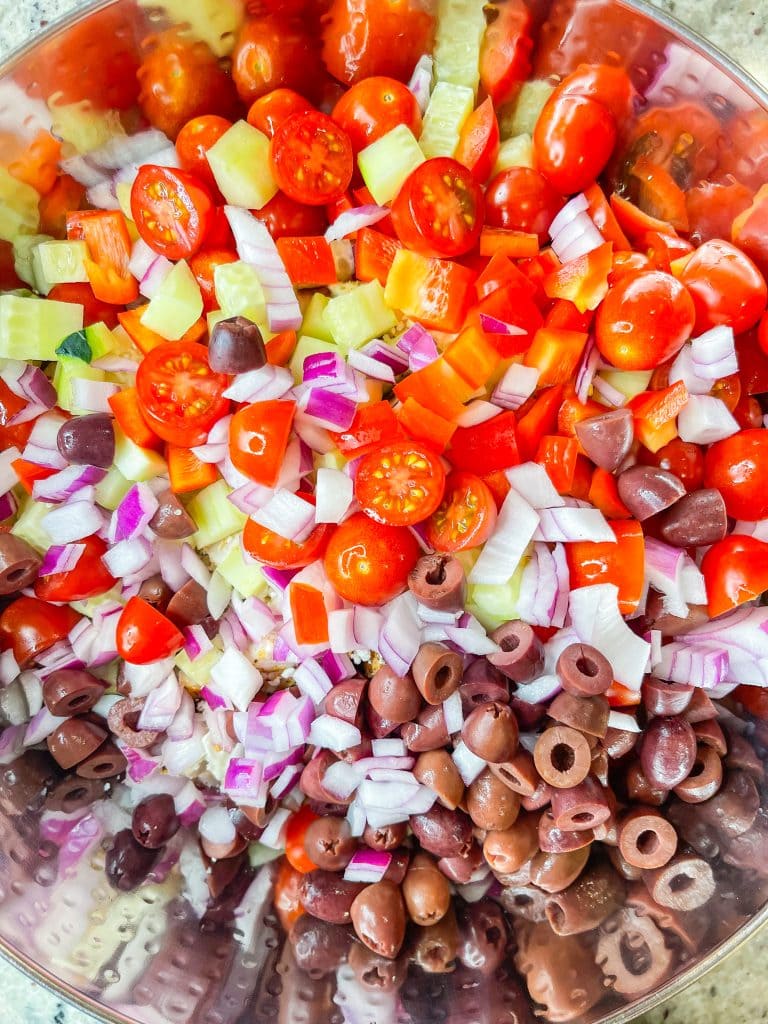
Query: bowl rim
[[623, 1015]]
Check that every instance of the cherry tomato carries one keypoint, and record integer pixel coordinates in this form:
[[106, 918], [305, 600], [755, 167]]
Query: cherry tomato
[[713, 207], [573, 141], [144, 634], [275, 52], [295, 831], [748, 230], [609, 84], [29, 626], [312, 159], [728, 390], [268, 112], [195, 139], [762, 334], [286, 897], [621, 563], [736, 466], [735, 570], [644, 321], [94, 310], [368, 562], [684, 459], [283, 217], [685, 139], [179, 394], [375, 106], [505, 53], [171, 209], [754, 699], [726, 286], [272, 549], [89, 578], [400, 484], [181, 79], [258, 438], [368, 38], [203, 266], [439, 209], [466, 516], [521, 199], [479, 141]]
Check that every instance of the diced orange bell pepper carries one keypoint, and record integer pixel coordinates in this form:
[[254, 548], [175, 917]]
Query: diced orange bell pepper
[[558, 456], [622, 563], [186, 472], [604, 495], [499, 486], [620, 696], [499, 272], [374, 424], [605, 219], [374, 255], [634, 222], [655, 415], [38, 165], [555, 354], [106, 234], [145, 339], [435, 292], [280, 348], [473, 357], [127, 412], [309, 614], [584, 281], [437, 387], [514, 244], [28, 472], [424, 425], [308, 260], [537, 421], [572, 411]]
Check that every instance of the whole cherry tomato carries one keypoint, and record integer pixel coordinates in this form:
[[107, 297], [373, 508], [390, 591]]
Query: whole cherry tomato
[[203, 266], [521, 199], [266, 546], [644, 321], [682, 458], [400, 484], [29, 626], [181, 79], [466, 515], [312, 159], [275, 52], [258, 438], [609, 84], [368, 38], [375, 106], [295, 830], [735, 570], [368, 562], [726, 286], [89, 577], [171, 210], [736, 466], [144, 634], [195, 139], [479, 141], [573, 141], [713, 207], [505, 53], [179, 394], [439, 209], [268, 112], [284, 216]]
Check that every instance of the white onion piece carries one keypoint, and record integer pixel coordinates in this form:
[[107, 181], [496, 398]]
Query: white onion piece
[[469, 765], [714, 354], [622, 721], [574, 524], [219, 594], [390, 746], [477, 412], [452, 713], [235, 678], [334, 733], [216, 826], [539, 691], [571, 210], [334, 493], [705, 419], [287, 515], [73, 521], [532, 482], [350, 221], [502, 553], [342, 779], [516, 386], [420, 82], [683, 369], [273, 835], [597, 620]]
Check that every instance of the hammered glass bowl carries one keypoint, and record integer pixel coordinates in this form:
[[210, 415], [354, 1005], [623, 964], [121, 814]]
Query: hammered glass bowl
[[145, 956]]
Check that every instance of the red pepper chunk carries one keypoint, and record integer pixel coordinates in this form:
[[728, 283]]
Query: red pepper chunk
[[309, 261], [486, 448], [308, 611]]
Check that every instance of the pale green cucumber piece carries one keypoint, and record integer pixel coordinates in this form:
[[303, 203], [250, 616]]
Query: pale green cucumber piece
[[32, 328], [358, 316], [388, 161], [241, 166], [176, 306]]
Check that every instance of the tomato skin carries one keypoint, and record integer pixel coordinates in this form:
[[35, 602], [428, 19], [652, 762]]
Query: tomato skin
[[94, 310], [400, 484], [622, 563], [684, 459], [505, 53], [144, 634], [29, 626], [286, 897], [736, 467], [284, 217], [479, 141], [644, 321], [735, 570], [573, 141], [203, 265], [258, 438], [439, 210], [521, 199], [295, 831], [89, 578], [268, 112], [274, 52], [312, 159], [373, 107], [609, 84], [180, 397], [271, 549], [466, 516], [754, 699], [171, 209], [369, 562], [726, 286], [195, 139]]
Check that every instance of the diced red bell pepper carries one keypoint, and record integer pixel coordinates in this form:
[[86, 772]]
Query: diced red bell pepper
[[127, 411], [435, 292], [374, 425], [583, 281], [473, 357], [582, 478], [572, 411], [424, 425], [537, 420], [604, 495], [374, 255], [555, 354], [634, 222], [558, 456], [479, 141], [516, 245], [308, 260], [437, 387], [499, 486], [186, 472], [309, 614], [563, 315], [28, 472], [499, 272], [486, 448], [655, 415], [106, 234], [605, 219], [620, 696], [512, 305], [659, 195]]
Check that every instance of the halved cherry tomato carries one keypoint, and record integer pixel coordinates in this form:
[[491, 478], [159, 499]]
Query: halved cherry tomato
[[466, 516], [105, 232], [609, 84], [89, 578], [29, 626], [286, 897], [283, 217], [439, 209], [400, 484], [479, 141], [195, 139], [312, 159], [735, 570], [369, 562], [272, 549], [258, 438], [644, 321], [179, 394], [726, 286], [622, 563], [268, 112], [375, 106], [144, 634], [295, 831], [736, 466], [203, 265], [275, 52], [521, 199], [684, 459], [573, 141], [172, 210], [373, 426]]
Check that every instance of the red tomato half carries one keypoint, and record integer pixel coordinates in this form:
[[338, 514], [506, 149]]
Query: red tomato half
[[195, 139], [275, 52], [172, 210], [439, 209], [203, 265], [272, 549], [521, 199], [29, 626], [368, 562], [400, 484], [296, 829], [466, 516], [144, 634], [375, 106], [312, 159], [89, 578], [505, 54]]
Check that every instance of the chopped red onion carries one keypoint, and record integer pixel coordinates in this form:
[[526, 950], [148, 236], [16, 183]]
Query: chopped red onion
[[143, 678], [328, 410], [342, 779], [274, 764], [400, 637], [41, 726], [8, 476], [31, 384], [286, 781], [142, 258], [314, 436], [132, 515], [371, 367], [515, 387], [183, 724], [140, 764], [469, 765], [143, 147], [66, 482], [368, 866], [341, 631], [692, 583], [169, 558], [214, 700], [128, 557], [705, 419], [161, 705], [72, 521], [420, 82], [503, 552], [714, 354], [219, 594], [153, 276], [597, 620], [9, 668], [590, 361], [266, 384], [422, 351], [236, 678], [350, 221], [312, 681], [80, 840], [540, 691], [93, 395], [387, 795], [334, 493], [61, 558], [563, 586], [396, 360], [477, 412], [287, 515], [684, 369], [194, 566], [576, 238], [243, 778], [470, 641], [368, 625], [492, 325], [233, 477], [702, 664], [256, 618], [279, 578], [250, 497], [190, 805], [574, 524], [338, 667], [267, 725], [273, 835], [334, 733], [608, 392], [663, 570]]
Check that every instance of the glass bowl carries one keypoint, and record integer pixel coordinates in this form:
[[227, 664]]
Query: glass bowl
[[145, 956]]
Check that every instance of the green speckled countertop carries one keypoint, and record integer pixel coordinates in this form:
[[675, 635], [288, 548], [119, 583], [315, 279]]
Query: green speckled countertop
[[736, 992]]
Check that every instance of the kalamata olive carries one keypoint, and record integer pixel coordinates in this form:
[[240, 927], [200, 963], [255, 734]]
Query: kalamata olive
[[104, 763], [668, 751], [492, 806], [19, 564], [394, 697], [437, 672], [401, 859], [699, 518], [236, 346], [436, 769], [379, 727], [705, 779], [378, 917], [734, 808], [155, 821], [657, 617], [438, 582], [70, 691], [345, 700], [646, 839], [590, 900], [685, 883], [554, 872], [646, 490], [435, 947], [385, 837], [74, 740], [701, 708], [72, 793], [491, 732], [88, 440], [376, 972], [123, 718], [428, 732], [639, 788], [482, 682], [155, 591], [171, 521], [426, 891], [562, 757], [462, 870], [482, 935], [607, 438], [325, 894], [506, 852], [583, 671], [319, 947], [584, 807], [519, 774], [328, 842], [553, 839], [127, 862], [663, 698], [521, 657], [584, 714], [188, 606], [443, 832], [618, 742]]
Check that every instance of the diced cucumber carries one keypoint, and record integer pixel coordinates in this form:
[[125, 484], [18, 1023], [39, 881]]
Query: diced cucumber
[[31, 328], [307, 346], [24, 247], [449, 107], [18, 207], [495, 604], [177, 304], [514, 152], [75, 346], [61, 263], [330, 460], [314, 323], [214, 514], [28, 524], [68, 370], [199, 670], [134, 463], [520, 117], [239, 291], [83, 126], [259, 855], [460, 31], [102, 341], [123, 196], [359, 316], [112, 489], [628, 382], [215, 22], [247, 578], [388, 161], [241, 166]]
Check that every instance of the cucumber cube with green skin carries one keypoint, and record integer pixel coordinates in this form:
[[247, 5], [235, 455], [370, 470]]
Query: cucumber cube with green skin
[[358, 316], [102, 341], [628, 382], [241, 166], [449, 107], [307, 346], [134, 463], [314, 324], [388, 161], [460, 29], [31, 328], [61, 262], [215, 516], [514, 152], [176, 306], [520, 117], [239, 291]]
